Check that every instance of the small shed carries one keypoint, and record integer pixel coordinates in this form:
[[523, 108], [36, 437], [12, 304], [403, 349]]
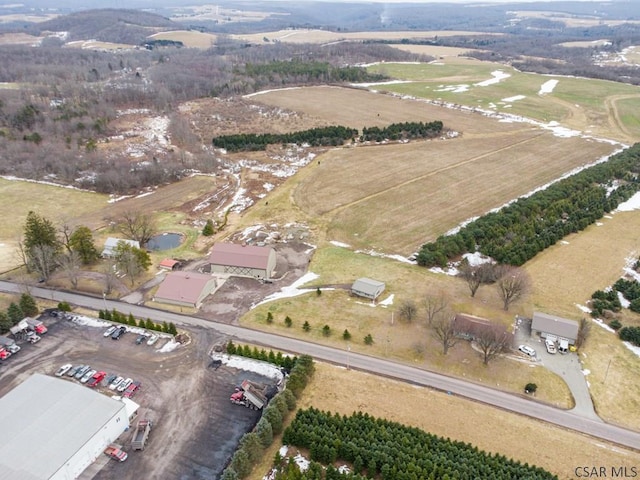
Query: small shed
[[169, 264], [555, 328], [111, 243], [367, 288], [186, 289]]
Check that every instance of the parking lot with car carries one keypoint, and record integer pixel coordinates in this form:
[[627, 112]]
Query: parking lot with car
[[196, 427]]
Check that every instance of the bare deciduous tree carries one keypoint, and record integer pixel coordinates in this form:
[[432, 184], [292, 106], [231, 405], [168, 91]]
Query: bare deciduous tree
[[584, 327], [70, 263], [512, 284], [109, 275], [492, 342], [137, 226], [408, 310], [444, 329], [476, 275], [433, 305], [42, 259]]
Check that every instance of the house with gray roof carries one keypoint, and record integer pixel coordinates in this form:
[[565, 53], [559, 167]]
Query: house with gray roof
[[367, 288], [185, 289], [111, 243], [556, 328]]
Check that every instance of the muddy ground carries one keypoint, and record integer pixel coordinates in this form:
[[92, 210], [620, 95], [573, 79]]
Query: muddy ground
[[237, 295], [196, 427]]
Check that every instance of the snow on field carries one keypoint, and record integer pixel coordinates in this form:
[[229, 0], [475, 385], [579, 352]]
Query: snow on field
[[42, 182], [498, 76], [249, 95], [292, 290], [628, 268], [90, 322], [602, 324], [624, 303], [374, 84], [265, 369], [547, 87], [583, 308], [515, 98], [633, 348], [453, 88], [477, 258], [387, 301], [391, 256], [632, 204], [339, 244]]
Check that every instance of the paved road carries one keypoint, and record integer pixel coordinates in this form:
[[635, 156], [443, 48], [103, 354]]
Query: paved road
[[506, 401]]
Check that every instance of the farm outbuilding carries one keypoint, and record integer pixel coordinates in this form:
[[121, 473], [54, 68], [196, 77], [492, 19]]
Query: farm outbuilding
[[555, 328], [54, 429], [169, 264], [242, 260], [111, 243], [185, 289], [367, 288]]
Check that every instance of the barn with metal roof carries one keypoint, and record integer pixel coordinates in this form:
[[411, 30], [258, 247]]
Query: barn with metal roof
[[54, 429], [243, 260]]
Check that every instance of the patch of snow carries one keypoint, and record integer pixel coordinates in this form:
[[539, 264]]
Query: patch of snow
[[630, 205], [117, 199], [547, 87], [90, 322], [586, 372], [170, 346], [283, 450], [41, 182], [292, 290], [477, 258], [368, 304], [498, 76], [461, 88], [564, 242], [628, 269], [635, 349], [515, 98], [374, 84], [144, 194], [265, 369], [339, 244], [302, 462], [249, 231], [600, 323], [373, 253], [268, 186], [583, 308], [344, 469], [599, 224], [249, 95], [387, 301], [623, 301]]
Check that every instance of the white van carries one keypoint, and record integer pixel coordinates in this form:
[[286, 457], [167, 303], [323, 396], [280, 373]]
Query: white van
[[551, 345], [564, 346]]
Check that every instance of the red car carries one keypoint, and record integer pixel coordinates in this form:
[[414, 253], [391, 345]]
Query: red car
[[131, 390], [96, 379], [4, 354]]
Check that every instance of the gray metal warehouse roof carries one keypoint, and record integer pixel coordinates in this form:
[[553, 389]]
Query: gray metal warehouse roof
[[45, 421]]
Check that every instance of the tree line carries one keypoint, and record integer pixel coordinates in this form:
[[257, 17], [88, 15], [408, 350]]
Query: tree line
[[517, 232], [25, 307], [402, 131], [315, 137], [391, 451]]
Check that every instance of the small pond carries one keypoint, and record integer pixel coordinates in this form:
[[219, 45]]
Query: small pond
[[164, 241]]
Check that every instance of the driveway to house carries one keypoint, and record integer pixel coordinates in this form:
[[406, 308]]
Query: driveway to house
[[567, 366]]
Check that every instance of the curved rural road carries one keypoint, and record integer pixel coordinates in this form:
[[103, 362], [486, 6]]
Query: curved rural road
[[496, 398]]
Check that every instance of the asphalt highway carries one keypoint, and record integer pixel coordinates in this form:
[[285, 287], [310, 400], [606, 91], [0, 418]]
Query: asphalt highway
[[349, 359]]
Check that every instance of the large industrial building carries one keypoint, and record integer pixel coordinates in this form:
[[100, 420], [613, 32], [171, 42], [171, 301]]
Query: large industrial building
[[54, 429]]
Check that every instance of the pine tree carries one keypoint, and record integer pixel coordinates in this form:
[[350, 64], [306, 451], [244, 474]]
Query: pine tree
[[207, 230], [28, 305], [14, 312]]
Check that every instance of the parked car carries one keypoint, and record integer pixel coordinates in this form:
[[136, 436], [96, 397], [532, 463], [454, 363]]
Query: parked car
[[109, 331], [4, 354], [116, 383], [95, 379], [80, 373], [34, 339], [152, 339], [527, 350], [118, 333], [74, 370], [124, 385], [13, 348], [551, 346], [63, 369], [110, 378], [131, 390], [141, 338], [85, 378]]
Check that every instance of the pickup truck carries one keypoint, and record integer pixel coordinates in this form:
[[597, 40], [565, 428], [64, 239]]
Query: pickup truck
[[115, 452]]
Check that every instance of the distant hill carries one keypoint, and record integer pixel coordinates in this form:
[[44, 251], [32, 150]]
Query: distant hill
[[108, 25]]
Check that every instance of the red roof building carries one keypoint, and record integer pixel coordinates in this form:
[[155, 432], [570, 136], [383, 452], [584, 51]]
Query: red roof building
[[169, 264], [187, 289], [243, 260]]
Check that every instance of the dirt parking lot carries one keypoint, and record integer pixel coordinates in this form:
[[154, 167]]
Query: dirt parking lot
[[196, 427]]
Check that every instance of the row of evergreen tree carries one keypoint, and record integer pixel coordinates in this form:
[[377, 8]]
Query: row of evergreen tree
[[316, 137], [118, 317], [277, 358], [253, 444], [519, 231], [402, 131], [322, 72], [392, 451]]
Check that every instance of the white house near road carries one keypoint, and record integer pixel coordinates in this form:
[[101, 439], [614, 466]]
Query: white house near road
[[554, 328], [54, 429], [111, 243], [367, 288]]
